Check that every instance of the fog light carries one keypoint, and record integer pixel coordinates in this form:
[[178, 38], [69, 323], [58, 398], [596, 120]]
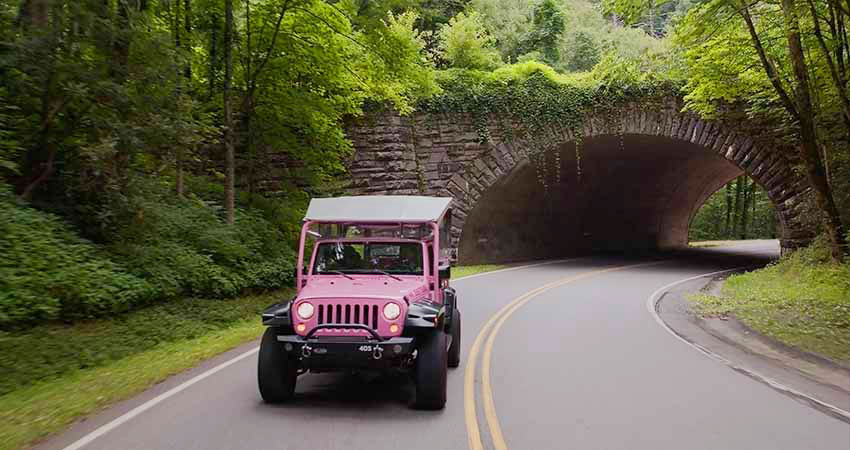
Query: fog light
[[393, 328], [300, 327], [287, 347], [396, 349]]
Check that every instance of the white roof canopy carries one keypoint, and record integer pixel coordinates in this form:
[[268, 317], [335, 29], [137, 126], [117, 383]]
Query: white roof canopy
[[378, 208]]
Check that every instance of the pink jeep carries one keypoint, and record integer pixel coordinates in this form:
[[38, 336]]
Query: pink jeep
[[374, 294]]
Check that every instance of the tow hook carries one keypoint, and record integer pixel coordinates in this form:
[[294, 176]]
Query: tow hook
[[306, 351], [378, 352]]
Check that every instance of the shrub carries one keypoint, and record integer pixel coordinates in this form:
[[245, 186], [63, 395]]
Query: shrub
[[48, 272], [184, 247], [161, 247], [803, 300]]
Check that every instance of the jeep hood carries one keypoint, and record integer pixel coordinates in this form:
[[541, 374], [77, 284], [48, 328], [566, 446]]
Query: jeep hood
[[366, 286]]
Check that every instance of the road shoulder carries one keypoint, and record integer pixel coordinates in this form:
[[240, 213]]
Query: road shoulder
[[805, 377]]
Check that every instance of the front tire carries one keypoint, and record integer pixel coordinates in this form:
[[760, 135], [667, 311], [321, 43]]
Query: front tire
[[276, 373], [454, 349], [431, 372]]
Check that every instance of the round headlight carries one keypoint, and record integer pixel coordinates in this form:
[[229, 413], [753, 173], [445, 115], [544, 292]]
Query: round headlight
[[305, 310], [392, 311]]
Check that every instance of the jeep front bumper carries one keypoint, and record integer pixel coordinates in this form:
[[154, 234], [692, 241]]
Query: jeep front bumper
[[347, 353]]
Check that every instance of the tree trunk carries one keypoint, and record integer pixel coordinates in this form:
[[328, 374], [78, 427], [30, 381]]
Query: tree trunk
[[229, 156], [249, 102], [121, 45], [33, 13], [736, 214], [808, 147], [746, 208], [187, 12], [41, 160], [213, 54], [727, 228], [178, 181]]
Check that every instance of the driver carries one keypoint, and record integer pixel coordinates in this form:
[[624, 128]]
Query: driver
[[410, 258], [351, 259]]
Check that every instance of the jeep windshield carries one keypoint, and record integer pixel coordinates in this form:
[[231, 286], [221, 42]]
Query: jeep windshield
[[388, 258]]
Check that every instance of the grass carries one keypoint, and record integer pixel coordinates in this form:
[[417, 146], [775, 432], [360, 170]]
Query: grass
[[704, 244], [802, 300], [54, 374], [465, 271]]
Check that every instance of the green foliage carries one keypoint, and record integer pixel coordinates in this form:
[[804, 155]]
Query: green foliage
[[526, 31], [732, 213], [803, 300], [108, 108], [47, 272], [638, 12], [9, 146], [547, 28], [465, 43], [586, 53], [723, 67], [533, 96], [184, 247], [168, 247], [48, 351]]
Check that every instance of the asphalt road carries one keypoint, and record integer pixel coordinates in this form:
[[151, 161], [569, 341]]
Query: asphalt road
[[580, 365]]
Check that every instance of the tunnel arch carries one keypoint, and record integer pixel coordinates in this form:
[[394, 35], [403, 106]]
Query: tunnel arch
[[686, 157]]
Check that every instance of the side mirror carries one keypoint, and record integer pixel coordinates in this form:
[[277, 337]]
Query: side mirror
[[445, 272]]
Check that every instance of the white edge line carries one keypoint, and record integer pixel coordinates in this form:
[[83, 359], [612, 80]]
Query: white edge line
[[652, 306], [129, 415], [85, 440]]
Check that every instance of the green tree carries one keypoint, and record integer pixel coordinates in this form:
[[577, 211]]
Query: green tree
[[585, 32], [775, 58], [465, 43], [182, 137], [586, 53], [545, 33]]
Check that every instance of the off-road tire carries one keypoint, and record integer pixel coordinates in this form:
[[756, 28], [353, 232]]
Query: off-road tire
[[431, 371], [276, 373], [454, 349]]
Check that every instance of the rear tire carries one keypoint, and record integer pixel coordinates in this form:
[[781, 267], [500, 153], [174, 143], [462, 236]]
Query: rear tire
[[431, 371], [454, 349], [276, 373]]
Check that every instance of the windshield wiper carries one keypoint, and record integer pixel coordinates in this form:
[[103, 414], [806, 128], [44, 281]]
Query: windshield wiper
[[387, 274], [338, 272]]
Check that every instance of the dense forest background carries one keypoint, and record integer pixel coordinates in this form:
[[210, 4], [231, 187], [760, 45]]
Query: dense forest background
[[153, 149]]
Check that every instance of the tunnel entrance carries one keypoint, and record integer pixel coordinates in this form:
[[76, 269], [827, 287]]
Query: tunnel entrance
[[629, 193]]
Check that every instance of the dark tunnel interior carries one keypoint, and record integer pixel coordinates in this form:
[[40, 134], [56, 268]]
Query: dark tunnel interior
[[634, 193]]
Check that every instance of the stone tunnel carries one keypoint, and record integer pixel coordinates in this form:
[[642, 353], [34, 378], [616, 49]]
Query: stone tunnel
[[624, 182]]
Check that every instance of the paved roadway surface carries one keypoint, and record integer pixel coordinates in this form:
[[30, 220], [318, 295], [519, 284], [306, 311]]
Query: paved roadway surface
[[580, 366]]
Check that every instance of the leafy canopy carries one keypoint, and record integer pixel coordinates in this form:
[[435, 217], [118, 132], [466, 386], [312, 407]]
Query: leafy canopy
[[466, 44]]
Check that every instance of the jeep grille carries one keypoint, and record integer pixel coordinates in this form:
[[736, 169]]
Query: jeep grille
[[348, 313]]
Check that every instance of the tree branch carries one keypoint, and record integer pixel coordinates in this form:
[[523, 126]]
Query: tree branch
[[769, 68], [840, 83]]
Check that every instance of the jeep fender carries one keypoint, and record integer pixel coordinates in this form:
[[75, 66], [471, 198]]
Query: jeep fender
[[278, 315]]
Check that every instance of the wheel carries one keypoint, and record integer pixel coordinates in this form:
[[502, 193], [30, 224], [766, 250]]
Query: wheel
[[454, 349], [276, 373], [431, 371]]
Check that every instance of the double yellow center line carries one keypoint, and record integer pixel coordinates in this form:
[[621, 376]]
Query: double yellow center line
[[489, 331]]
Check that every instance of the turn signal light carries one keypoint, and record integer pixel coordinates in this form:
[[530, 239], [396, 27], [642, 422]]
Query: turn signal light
[[393, 328], [300, 327]]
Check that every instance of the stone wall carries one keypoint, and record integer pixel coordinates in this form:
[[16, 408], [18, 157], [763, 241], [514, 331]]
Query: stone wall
[[441, 154]]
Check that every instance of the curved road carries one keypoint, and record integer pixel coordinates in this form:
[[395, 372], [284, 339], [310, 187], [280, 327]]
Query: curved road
[[580, 365]]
